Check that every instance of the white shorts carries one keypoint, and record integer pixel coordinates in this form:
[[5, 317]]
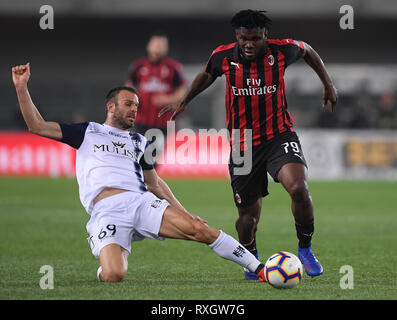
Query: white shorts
[[124, 218]]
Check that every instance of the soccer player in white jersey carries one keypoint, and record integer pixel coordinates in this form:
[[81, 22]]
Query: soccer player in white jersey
[[119, 188]]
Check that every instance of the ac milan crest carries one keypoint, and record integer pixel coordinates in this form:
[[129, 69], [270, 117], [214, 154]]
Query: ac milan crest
[[270, 60], [237, 197]]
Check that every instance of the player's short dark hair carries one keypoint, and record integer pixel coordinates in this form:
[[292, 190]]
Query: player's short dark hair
[[251, 19], [115, 91], [158, 33]]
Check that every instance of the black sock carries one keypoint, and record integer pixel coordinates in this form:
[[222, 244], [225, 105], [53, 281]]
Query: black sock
[[304, 232], [260, 267], [251, 247]]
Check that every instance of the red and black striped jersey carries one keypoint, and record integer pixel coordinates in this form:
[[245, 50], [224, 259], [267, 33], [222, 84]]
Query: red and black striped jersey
[[255, 90], [150, 79]]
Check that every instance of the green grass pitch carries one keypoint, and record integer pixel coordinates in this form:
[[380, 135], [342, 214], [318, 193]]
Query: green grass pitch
[[43, 223]]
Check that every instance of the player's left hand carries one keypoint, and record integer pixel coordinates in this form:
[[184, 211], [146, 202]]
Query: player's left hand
[[330, 97], [175, 108]]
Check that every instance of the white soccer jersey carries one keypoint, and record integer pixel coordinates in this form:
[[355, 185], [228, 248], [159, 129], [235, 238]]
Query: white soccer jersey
[[107, 157]]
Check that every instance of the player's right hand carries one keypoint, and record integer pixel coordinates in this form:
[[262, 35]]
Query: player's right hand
[[21, 74], [176, 108], [330, 97]]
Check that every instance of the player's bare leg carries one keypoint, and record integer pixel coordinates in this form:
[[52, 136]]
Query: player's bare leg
[[247, 223], [293, 177], [178, 224], [246, 226], [113, 261]]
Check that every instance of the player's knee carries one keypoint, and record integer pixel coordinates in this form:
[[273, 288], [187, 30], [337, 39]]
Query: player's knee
[[202, 233], [113, 274], [299, 192], [251, 212], [248, 219]]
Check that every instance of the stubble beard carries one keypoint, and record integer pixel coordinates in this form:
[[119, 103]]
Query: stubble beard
[[119, 121]]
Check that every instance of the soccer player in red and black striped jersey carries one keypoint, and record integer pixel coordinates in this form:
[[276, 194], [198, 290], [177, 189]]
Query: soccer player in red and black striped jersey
[[159, 79], [254, 68]]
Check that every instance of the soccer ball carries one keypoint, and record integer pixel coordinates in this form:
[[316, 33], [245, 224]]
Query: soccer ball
[[283, 270]]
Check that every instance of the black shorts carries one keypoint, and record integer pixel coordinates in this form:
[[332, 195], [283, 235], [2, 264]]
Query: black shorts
[[268, 157]]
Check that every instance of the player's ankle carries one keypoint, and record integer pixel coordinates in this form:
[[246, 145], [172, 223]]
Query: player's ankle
[[260, 272]]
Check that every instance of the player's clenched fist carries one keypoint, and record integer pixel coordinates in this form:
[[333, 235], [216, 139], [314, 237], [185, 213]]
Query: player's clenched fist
[[21, 74]]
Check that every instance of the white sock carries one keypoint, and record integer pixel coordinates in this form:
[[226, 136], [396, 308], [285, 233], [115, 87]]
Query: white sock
[[98, 273], [228, 248]]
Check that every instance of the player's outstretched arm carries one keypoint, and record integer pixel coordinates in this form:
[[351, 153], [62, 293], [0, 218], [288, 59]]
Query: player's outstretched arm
[[34, 121], [202, 81], [330, 94]]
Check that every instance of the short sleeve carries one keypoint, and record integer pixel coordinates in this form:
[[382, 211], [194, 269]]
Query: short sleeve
[[178, 79], [293, 50], [146, 162], [214, 65], [73, 134]]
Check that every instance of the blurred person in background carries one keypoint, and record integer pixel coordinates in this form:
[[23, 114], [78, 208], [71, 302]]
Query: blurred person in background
[[387, 115], [362, 116], [159, 80]]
